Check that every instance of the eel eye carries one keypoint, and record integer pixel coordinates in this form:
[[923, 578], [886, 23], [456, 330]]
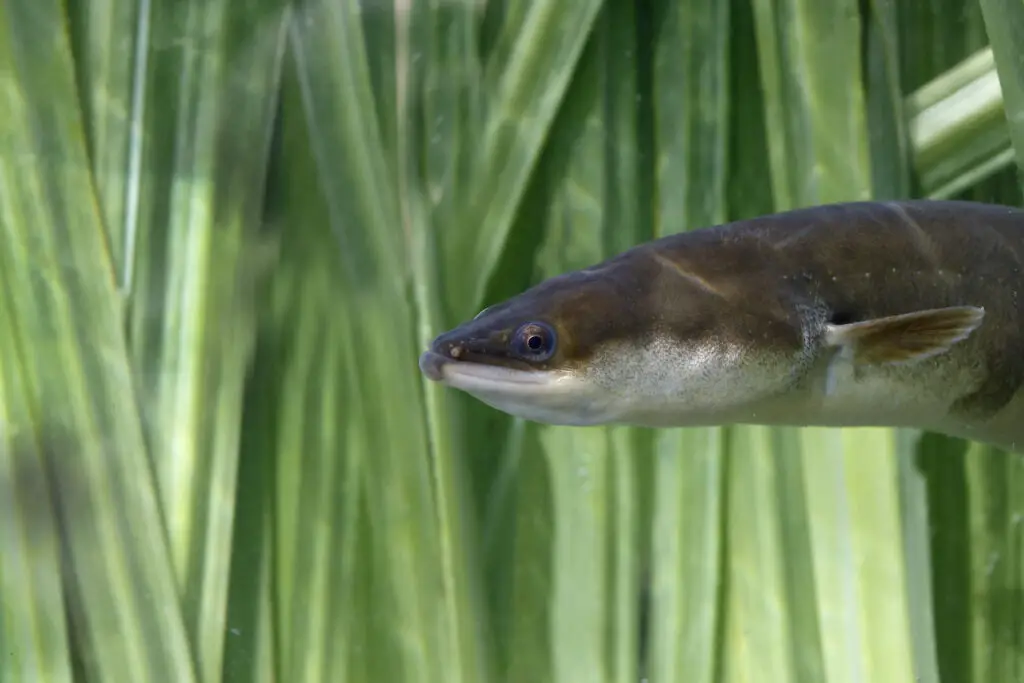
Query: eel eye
[[534, 341]]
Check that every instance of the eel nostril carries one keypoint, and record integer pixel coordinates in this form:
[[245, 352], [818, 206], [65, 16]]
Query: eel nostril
[[455, 351]]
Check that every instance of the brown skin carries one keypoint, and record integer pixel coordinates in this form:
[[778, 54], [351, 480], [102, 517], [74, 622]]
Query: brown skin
[[774, 281]]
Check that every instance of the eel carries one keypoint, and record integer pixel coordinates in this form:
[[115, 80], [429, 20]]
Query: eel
[[856, 314]]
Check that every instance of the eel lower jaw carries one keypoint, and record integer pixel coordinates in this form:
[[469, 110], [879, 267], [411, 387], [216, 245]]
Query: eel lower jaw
[[559, 397], [470, 376]]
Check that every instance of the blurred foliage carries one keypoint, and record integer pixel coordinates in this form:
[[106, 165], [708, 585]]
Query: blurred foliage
[[229, 228]]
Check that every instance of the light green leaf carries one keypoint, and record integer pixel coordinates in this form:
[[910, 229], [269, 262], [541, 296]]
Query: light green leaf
[[75, 402], [810, 69], [886, 118], [529, 88], [33, 627], [111, 43], [1004, 22], [957, 127], [418, 628], [210, 90]]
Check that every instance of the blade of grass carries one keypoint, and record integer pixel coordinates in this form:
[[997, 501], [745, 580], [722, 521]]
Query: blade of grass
[[503, 22], [995, 507], [686, 540], [917, 533], [935, 36], [771, 629], [581, 631], [810, 59], [1004, 22], [249, 647], [62, 299], [313, 466], [630, 486], [33, 627], [210, 97], [1002, 187], [530, 87], [628, 218], [437, 102], [943, 462], [528, 651], [957, 127], [353, 175], [317, 478], [450, 77], [853, 491], [976, 541], [375, 21], [749, 190], [311, 439], [494, 447], [750, 194], [886, 119], [691, 109], [110, 40], [370, 255]]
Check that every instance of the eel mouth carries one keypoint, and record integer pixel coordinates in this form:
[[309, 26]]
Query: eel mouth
[[560, 397], [471, 375]]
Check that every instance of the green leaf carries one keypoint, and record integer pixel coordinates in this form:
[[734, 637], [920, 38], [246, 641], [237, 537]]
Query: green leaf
[[688, 576], [210, 90], [110, 41], [33, 627], [529, 88], [995, 484], [691, 105], [1004, 21], [886, 119], [418, 633], [958, 128], [810, 71], [771, 630], [75, 401]]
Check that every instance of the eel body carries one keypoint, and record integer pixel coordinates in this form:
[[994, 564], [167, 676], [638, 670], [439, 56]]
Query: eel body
[[898, 314]]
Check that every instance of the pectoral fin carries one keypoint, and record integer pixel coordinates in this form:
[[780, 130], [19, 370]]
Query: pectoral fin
[[907, 337]]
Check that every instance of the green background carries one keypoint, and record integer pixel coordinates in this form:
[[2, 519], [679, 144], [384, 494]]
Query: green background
[[229, 227]]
